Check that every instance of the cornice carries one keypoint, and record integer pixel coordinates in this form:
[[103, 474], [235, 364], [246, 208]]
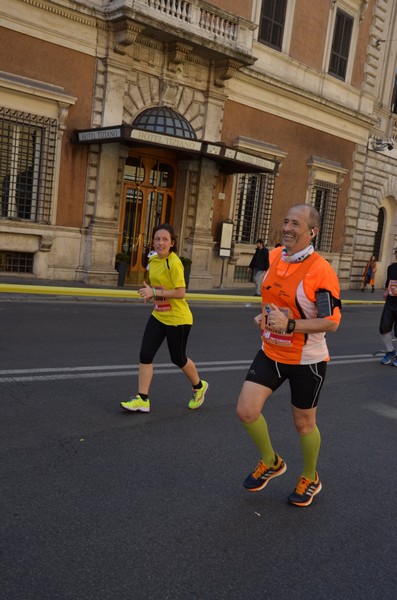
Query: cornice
[[81, 14], [152, 44], [25, 85], [306, 97]]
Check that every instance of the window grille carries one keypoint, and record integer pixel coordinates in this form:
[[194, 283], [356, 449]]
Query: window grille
[[272, 21], [16, 262], [242, 275], [27, 162], [325, 198], [254, 205], [341, 45]]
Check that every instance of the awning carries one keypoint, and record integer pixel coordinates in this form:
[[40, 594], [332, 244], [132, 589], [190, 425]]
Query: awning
[[230, 160]]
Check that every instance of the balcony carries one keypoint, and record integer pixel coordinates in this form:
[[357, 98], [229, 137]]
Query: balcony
[[205, 29]]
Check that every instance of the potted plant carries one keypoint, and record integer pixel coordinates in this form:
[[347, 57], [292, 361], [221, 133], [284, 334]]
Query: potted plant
[[187, 263], [122, 264]]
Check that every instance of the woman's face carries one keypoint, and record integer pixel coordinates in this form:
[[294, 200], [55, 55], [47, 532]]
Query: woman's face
[[162, 243]]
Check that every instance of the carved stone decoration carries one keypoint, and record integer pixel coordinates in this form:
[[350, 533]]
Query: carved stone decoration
[[63, 111], [177, 53], [363, 8], [225, 70], [312, 177], [125, 34], [46, 242], [168, 92]]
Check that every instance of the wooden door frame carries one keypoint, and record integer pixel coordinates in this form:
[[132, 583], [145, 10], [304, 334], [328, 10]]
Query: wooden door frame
[[148, 157]]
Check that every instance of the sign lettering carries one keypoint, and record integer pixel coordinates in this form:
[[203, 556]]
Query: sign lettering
[[166, 140]]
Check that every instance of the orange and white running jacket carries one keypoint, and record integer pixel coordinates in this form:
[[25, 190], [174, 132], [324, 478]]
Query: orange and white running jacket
[[292, 287]]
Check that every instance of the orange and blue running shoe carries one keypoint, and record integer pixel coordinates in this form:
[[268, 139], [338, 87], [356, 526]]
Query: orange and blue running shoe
[[305, 491], [259, 478]]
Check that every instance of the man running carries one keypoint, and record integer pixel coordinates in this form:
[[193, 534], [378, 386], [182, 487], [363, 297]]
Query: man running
[[300, 304]]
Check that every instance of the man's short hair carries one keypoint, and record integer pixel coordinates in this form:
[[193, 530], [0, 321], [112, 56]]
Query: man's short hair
[[259, 241], [313, 214]]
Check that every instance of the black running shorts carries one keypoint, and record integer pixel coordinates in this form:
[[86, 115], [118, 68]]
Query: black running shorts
[[305, 381]]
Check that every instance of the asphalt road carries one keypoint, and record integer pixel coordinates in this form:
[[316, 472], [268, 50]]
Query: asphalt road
[[99, 504]]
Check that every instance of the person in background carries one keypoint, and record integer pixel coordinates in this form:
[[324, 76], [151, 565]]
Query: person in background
[[259, 264], [171, 319], [300, 304], [369, 274], [389, 315]]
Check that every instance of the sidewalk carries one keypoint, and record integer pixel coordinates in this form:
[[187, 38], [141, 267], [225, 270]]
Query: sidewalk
[[127, 292]]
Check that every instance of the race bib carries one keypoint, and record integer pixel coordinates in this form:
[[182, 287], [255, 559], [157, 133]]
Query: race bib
[[161, 304], [392, 288], [272, 336]]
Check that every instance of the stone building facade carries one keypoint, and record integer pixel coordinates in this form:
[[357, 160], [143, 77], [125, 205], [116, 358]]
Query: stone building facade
[[213, 116]]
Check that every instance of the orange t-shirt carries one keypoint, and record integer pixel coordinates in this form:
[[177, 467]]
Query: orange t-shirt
[[292, 288]]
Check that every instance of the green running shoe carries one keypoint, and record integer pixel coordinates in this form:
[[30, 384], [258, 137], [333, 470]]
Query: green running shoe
[[198, 396], [137, 404]]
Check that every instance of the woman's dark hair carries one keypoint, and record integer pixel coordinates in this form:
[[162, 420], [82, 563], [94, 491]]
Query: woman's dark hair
[[170, 230]]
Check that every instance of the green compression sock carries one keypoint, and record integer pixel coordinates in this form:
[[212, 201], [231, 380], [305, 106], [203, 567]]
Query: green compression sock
[[259, 434], [310, 445]]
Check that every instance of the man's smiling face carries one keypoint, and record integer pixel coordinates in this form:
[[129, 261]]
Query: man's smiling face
[[296, 230]]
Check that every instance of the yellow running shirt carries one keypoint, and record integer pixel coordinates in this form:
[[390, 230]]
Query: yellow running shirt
[[168, 273]]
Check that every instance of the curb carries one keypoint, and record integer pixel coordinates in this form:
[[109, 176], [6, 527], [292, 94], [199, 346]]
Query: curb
[[25, 291]]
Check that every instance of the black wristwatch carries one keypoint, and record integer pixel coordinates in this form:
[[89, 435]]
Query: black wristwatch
[[290, 326]]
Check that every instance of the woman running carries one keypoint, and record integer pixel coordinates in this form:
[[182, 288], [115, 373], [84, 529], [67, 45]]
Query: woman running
[[171, 319]]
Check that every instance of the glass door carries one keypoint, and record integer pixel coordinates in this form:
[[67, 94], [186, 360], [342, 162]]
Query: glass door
[[148, 201]]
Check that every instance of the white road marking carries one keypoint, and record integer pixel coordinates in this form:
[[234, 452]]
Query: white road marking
[[89, 372]]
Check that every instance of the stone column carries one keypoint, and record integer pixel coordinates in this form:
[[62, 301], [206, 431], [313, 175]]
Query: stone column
[[200, 238], [99, 243], [214, 115]]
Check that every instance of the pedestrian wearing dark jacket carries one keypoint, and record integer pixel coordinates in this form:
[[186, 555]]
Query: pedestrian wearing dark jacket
[[388, 319], [259, 264]]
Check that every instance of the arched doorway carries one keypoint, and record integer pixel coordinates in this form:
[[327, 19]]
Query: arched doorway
[[150, 177], [148, 200], [385, 237]]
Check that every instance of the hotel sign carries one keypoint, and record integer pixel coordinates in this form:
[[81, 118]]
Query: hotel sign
[[212, 149], [231, 158], [263, 163], [99, 135], [151, 137], [231, 154]]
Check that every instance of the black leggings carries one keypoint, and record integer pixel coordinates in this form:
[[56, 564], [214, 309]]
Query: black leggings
[[387, 319], [155, 334]]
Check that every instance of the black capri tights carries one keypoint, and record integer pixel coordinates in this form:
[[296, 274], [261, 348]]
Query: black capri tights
[[154, 335]]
